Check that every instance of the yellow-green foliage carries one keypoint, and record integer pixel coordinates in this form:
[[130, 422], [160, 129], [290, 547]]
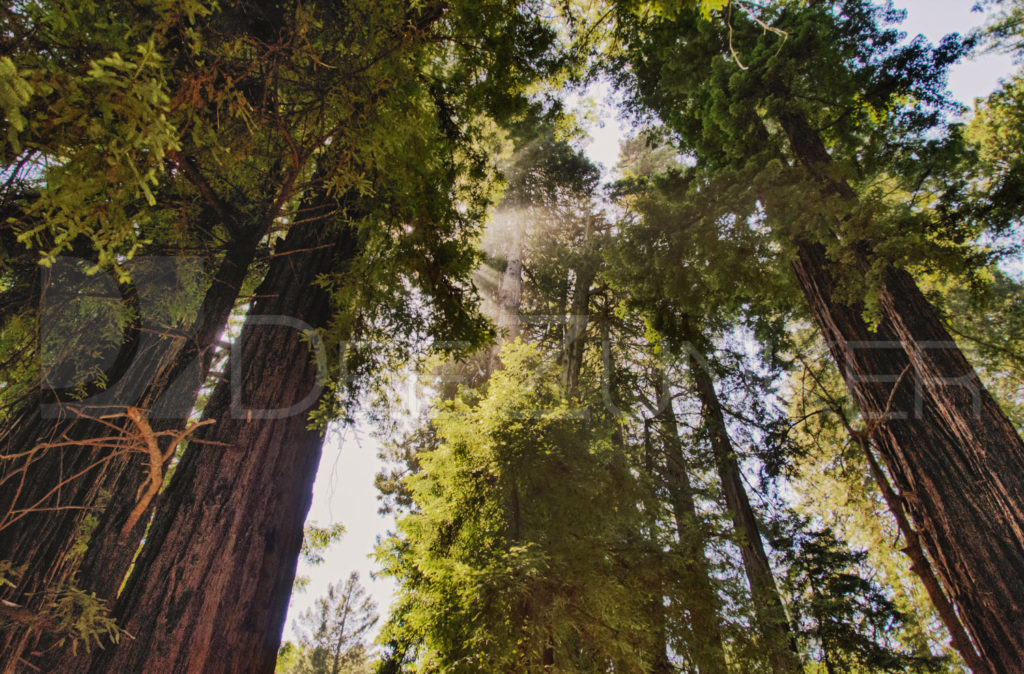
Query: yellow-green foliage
[[511, 546], [68, 614], [93, 125]]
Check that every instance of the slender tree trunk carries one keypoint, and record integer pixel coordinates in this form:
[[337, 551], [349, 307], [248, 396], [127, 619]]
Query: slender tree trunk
[[548, 658], [339, 642], [951, 451], [706, 643], [576, 329], [919, 562], [210, 589], [768, 606], [509, 298], [660, 662]]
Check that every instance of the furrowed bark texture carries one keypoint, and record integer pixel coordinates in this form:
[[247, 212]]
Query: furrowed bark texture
[[768, 606], [111, 547], [164, 378], [920, 564], [952, 452], [210, 589], [957, 488]]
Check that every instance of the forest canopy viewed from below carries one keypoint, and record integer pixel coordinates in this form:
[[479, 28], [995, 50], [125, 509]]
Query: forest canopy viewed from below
[[750, 400]]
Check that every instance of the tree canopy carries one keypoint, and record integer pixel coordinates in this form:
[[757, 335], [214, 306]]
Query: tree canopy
[[753, 405]]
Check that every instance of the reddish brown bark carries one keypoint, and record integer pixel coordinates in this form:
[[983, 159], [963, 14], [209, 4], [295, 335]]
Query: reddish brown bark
[[210, 590], [955, 487], [170, 398], [166, 375], [950, 449], [165, 378]]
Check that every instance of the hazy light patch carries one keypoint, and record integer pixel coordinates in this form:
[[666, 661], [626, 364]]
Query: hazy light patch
[[600, 113], [345, 491], [505, 230]]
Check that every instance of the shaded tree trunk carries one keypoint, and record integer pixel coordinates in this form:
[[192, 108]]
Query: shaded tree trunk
[[768, 607], [210, 589], [163, 376], [705, 638], [661, 664], [950, 449], [659, 659]]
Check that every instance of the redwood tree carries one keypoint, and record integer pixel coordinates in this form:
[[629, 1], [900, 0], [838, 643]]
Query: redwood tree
[[386, 258], [243, 158], [798, 127]]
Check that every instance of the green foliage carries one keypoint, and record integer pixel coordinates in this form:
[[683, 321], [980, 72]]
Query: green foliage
[[831, 483], [985, 322], [1005, 29], [79, 619], [315, 541], [88, 119], [841, 73], [504, 555], [690, 264], [71, 616], [844, 620], [332, 635], [995, 130]]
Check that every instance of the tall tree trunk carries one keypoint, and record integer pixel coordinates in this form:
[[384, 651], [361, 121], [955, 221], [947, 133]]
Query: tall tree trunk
[[171, 397], [509, 297], [662, 664], [659, 660], [706, 643], [768, 607], [579, 311], [576, 329], [165, 375], [919, 562], [210, 589], [950, 449], [510, 292]]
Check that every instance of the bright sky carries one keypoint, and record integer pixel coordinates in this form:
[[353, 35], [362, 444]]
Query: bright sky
[[345, 491]]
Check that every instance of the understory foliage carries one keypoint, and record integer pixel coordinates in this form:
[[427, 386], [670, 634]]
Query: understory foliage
[[505, 554], [332, 634], [645, 452]]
